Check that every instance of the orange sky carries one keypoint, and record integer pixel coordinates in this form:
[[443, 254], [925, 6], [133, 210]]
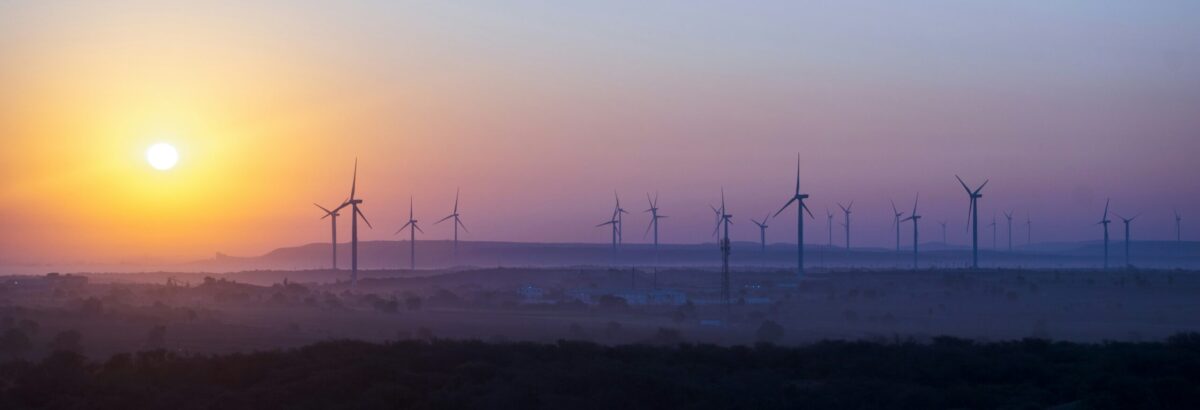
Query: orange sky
[[540, 112]]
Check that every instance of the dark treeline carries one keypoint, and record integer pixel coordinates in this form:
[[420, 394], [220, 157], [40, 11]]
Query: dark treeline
[[946, 373]]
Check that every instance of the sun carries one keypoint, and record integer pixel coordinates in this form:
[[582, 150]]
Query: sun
[[162, 156]]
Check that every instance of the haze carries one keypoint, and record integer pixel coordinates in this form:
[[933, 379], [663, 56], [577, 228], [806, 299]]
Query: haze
[[540, 111]]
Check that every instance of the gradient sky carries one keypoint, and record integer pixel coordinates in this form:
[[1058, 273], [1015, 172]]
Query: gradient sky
[[539, 110]]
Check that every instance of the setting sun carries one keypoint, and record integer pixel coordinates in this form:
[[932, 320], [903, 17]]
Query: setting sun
[[162, 156]]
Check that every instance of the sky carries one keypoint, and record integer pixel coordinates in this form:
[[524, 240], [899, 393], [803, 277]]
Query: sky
[[539, 111]]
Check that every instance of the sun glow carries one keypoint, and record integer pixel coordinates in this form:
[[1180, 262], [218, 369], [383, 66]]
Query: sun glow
[[162, 156]]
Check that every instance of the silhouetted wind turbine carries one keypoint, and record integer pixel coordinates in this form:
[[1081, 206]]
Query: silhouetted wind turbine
[[896, 214], [993, 226], [1126, 221], [654, 217], [846, 211], [356, 213], [801, 208], [1105, 221], [1178, 231], [916, 219], [1008, 216], [615, 227], [829, 223], [1028, 230], [973, 219], [725, 220], [762, 231], [412, 227], [620, 220], [457, 223], [333, 225]]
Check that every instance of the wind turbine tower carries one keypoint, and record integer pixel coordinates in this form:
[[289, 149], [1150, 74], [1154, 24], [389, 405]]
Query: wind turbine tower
[[973, 219], [614, 223], [1127, 221], [896, 214], [916, 219], [1028, 230], [457, 224], [654, 217], [412, 227], [943, 224], [356, 213], [829, 223], [762, 232], [1178, 231], [620, 220], [993, 226], [1008, 216], [724, 221], [333, 227], [1105, 221], [801, 208], [846, 211]]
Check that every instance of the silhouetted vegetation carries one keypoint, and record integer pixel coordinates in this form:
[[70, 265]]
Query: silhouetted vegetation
[[946, 373]]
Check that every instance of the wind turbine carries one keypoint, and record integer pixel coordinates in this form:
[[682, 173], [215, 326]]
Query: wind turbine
[[457, 223], [943, 224], [916, 219], [801, 208], [1105, 221], [973, 219], [1008, 215], [1126, 221], [1028, 230], [993, 226], [412, 227], [620, 220], [356, 213], [762, 231], [333, 225], [1178, 232], [654, 217], [846, 211], [615, 227], [896, 214], [724, 220], [829, 223]]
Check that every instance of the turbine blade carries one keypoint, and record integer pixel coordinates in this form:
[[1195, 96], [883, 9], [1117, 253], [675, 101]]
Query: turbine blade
[[797, 173], [364, 217], [418, 228], [648, 226], [789, 202], [443, 219], [323, 208], [810, 215], [964, 184], [460, 223], [354, 181], [456, 192], [985, 182]]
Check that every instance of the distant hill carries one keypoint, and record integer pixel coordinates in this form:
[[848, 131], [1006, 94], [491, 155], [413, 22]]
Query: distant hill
[[441, 254]]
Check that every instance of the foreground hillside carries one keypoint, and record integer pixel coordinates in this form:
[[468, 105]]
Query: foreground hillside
[[947, 373]]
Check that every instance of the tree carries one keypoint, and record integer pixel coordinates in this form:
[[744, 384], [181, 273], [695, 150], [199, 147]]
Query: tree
[[769, 332], [413, 303], [157, 338], [14, 343], [67, 341]]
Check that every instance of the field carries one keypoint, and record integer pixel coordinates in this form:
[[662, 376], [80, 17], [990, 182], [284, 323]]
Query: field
[[247, 311]]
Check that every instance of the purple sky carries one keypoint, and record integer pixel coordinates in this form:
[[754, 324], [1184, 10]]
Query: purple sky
[[539, 111]]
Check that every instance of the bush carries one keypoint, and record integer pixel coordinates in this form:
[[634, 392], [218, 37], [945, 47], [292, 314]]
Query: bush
[[769, 332]]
